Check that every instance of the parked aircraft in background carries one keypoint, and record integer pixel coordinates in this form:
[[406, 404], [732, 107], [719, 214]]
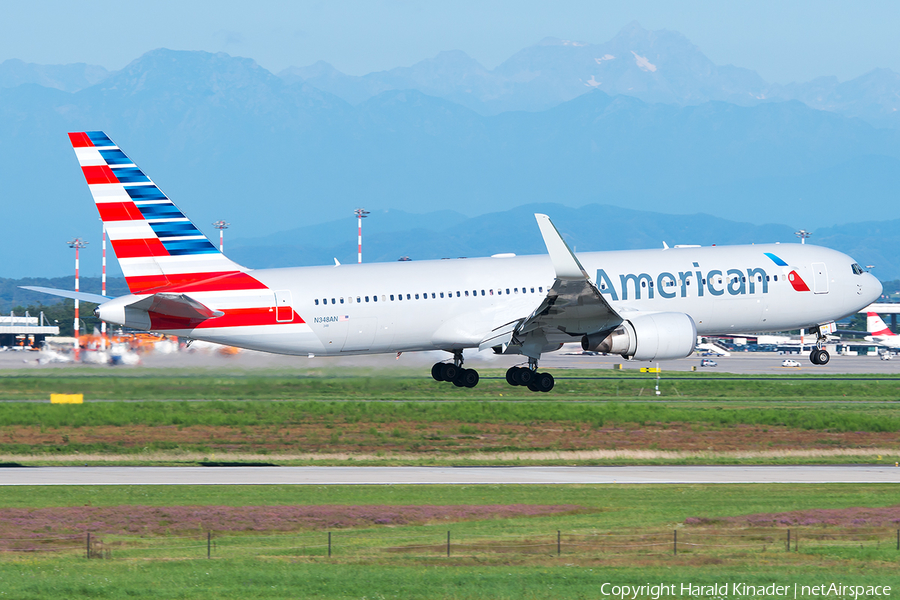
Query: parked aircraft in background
[[880, 332], [646, 305]]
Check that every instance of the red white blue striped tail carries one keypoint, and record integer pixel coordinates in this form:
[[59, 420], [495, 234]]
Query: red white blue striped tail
[[157, 246]]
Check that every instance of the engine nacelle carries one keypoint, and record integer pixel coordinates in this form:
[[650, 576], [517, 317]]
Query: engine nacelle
[[649, 336]]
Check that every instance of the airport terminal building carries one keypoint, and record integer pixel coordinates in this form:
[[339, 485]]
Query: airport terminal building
[[25, 331]]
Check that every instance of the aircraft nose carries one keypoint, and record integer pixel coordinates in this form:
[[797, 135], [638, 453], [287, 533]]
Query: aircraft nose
[[871, 288]]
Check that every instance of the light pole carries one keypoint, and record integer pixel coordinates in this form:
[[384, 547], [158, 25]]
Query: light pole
[[802, 234], [360, 215], [221, 226], [78, 244]]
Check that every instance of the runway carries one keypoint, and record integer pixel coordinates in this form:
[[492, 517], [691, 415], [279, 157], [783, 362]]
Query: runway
[[854, 474]]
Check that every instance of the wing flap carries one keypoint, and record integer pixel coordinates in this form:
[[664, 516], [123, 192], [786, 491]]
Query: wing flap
[[499, 336]]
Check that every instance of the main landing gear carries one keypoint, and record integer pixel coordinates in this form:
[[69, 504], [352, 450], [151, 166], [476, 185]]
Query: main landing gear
[[455, 372], [530, 378], [819, 356]]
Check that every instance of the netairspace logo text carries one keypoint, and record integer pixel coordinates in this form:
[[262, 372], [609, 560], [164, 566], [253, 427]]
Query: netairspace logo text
[[743, 590]]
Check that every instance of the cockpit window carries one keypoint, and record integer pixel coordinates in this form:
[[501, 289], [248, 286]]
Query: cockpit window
[[857, 270]]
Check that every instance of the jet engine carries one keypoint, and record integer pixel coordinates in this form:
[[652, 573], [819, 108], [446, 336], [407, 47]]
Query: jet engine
[[648, 336]]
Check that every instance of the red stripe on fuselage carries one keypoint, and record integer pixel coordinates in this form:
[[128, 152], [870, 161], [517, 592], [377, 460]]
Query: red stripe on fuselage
[[194, 282], [80, 140], [139, 248], [99, 174], [235, 317], [119, 211]]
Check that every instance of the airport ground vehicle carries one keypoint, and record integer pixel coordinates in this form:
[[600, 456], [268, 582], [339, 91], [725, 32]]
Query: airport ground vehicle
[[708, 363], [790, 362]]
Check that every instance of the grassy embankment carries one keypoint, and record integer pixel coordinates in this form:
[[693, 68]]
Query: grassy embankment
[[248, 566], [323, 419]]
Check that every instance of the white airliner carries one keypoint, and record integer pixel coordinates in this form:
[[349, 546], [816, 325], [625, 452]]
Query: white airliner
[[645, 305], [880, 333]]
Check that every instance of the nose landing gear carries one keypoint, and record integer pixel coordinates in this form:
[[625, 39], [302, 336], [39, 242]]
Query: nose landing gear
[[455, 372], [819, 356]]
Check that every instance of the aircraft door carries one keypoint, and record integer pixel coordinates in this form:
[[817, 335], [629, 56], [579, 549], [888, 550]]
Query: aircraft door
[[360, 334], [820, 278], [284, 312]]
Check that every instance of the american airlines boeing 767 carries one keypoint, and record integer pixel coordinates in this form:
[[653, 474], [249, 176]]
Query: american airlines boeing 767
[[645, 305]]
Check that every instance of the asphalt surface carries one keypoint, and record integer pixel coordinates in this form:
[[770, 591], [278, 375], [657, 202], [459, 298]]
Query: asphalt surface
[[857, 474], [760, 363]]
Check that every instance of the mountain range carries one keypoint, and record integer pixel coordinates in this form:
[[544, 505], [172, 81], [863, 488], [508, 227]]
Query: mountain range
[[643, 123], [389, 235]]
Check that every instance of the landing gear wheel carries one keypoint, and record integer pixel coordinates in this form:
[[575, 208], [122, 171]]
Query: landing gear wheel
[[466, 378], [824, 357], [437, 371], [814, 356], [511, 374], [544, 382], [525, 376], [449, 372]]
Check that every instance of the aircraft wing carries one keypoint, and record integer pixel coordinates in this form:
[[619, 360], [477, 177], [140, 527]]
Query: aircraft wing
[[573, 304]]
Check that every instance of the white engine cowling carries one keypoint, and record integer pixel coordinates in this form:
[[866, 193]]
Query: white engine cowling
[[649, 336]]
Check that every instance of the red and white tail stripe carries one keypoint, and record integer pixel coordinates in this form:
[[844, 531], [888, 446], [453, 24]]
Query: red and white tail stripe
[[157, 246], [876, 326]]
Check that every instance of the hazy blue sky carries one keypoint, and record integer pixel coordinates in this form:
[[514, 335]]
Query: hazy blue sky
[[783, 41]]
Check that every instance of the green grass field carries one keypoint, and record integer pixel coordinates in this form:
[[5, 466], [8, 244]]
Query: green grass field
[[843, 417], [408, 561], [277, 569], [307, 413], [363, 384]]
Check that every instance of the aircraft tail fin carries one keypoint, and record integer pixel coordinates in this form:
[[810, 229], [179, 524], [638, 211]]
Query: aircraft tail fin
[[876, 326], [156, 245]]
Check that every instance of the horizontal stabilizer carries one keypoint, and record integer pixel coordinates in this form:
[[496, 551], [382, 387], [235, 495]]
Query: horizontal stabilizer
[[176, 305], [83, 296]]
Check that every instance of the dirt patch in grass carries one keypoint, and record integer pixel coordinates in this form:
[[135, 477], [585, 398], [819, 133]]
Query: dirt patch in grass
[[859, 516], [18, 523], [450, 436]]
